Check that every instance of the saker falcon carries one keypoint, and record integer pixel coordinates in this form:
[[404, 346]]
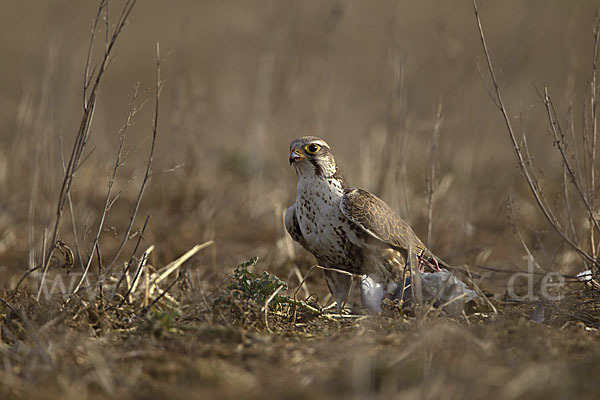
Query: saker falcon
[[349, 229]]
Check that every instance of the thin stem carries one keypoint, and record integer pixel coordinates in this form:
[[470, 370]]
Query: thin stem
[[83, 132], [431, 178], [550, 217], [148, 172]]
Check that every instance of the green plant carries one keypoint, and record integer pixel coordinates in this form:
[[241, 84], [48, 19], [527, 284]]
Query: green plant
[[245, 284]]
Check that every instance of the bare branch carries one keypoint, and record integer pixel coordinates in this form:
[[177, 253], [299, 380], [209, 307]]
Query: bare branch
[[520, 235], [108, 201], [87, 76], [431, 179], [89, 106], [560, 143], [148, 165], [128, 265], [550, 217]]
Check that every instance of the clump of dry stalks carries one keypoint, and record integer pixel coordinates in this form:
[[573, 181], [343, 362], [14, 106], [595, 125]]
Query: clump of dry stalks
[[577, 149], [119, 283]]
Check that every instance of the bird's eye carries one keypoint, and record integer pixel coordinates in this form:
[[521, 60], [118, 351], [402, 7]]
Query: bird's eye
[[312, 148]]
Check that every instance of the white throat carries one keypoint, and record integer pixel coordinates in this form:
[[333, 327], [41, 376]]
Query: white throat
[[312, 183]]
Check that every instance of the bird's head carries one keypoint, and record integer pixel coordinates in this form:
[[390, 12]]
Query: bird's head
[[311, 155]]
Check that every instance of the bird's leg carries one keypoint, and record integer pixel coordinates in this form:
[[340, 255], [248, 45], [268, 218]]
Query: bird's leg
[[422, 262], [339, 285]]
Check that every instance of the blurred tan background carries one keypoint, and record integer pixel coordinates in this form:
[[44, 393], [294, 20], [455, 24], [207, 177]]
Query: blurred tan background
[[243, 78]]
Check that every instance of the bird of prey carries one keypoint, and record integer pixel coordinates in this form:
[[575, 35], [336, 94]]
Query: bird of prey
[[349, 229]]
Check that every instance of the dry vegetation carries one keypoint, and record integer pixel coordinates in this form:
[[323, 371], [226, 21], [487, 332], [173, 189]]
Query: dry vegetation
[[140, 183]]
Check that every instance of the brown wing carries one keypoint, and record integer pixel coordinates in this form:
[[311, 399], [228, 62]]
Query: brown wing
[[376, 218]]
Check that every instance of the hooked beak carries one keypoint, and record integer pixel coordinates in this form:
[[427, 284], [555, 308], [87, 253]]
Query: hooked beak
[[296, 155]]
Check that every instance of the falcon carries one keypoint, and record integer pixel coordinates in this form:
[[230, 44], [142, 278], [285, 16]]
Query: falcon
[[349, 229]]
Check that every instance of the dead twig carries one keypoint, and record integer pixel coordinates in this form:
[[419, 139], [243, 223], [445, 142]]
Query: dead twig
[[325, 269], [160, 296], [135, 280], [90, 94], [431, 178], [520, 235], [128, 264], [522, 163], [107, 201], [560, 143], [148, 172], [266, 307]]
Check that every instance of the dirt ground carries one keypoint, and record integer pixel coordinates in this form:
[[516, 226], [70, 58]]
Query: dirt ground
[[195, 292]]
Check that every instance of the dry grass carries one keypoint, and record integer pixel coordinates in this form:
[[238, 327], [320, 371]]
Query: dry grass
[[381, 83]]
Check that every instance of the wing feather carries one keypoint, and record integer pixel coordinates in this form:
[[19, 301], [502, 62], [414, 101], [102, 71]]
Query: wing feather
[[376, 218], [292, 226]]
